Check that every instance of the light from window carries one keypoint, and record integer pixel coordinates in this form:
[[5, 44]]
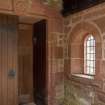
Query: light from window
[[89, 55]]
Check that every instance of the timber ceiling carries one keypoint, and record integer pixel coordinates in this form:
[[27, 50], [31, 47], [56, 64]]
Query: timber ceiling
[[73, 6]]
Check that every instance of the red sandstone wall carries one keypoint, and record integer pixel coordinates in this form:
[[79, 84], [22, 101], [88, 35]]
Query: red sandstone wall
[[76, 26]]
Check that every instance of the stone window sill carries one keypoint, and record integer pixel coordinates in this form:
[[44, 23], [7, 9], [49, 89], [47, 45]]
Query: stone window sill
[[83, 76]]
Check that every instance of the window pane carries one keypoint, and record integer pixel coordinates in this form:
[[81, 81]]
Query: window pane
[[88, 43], [88, 63], [91, 63], [91, 70], [88, 49], [91, 49], [94, 43], [92, 57], [91, 37], [94, 64], [88, 56]]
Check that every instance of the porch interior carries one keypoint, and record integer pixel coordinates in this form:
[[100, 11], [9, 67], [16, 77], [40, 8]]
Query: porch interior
[[28, 48]]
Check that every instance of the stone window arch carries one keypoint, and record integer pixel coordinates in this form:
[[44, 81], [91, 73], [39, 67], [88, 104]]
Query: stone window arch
[[76, 46]]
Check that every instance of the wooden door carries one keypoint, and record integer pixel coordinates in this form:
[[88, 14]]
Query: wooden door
[[39, 62], [8, 60]]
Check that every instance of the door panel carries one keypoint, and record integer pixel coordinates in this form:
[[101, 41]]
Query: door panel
[[8, 60]]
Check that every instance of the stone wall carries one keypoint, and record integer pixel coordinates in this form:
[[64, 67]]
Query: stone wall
[[56, 60], [92, 21]]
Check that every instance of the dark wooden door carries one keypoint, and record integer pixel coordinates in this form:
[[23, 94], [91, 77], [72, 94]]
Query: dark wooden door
[[39, 67], [8, 60]]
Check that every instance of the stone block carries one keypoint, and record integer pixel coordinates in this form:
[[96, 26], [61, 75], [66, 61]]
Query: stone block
[[76, 19], [6, 5], [77, 65], [101, 23], [77, 51], [58, 52], [94, 14]]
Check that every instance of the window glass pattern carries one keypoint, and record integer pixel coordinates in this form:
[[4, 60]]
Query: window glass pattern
[[89, 55]]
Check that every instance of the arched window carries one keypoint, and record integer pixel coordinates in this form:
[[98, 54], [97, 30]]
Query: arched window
[[89, 55]]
